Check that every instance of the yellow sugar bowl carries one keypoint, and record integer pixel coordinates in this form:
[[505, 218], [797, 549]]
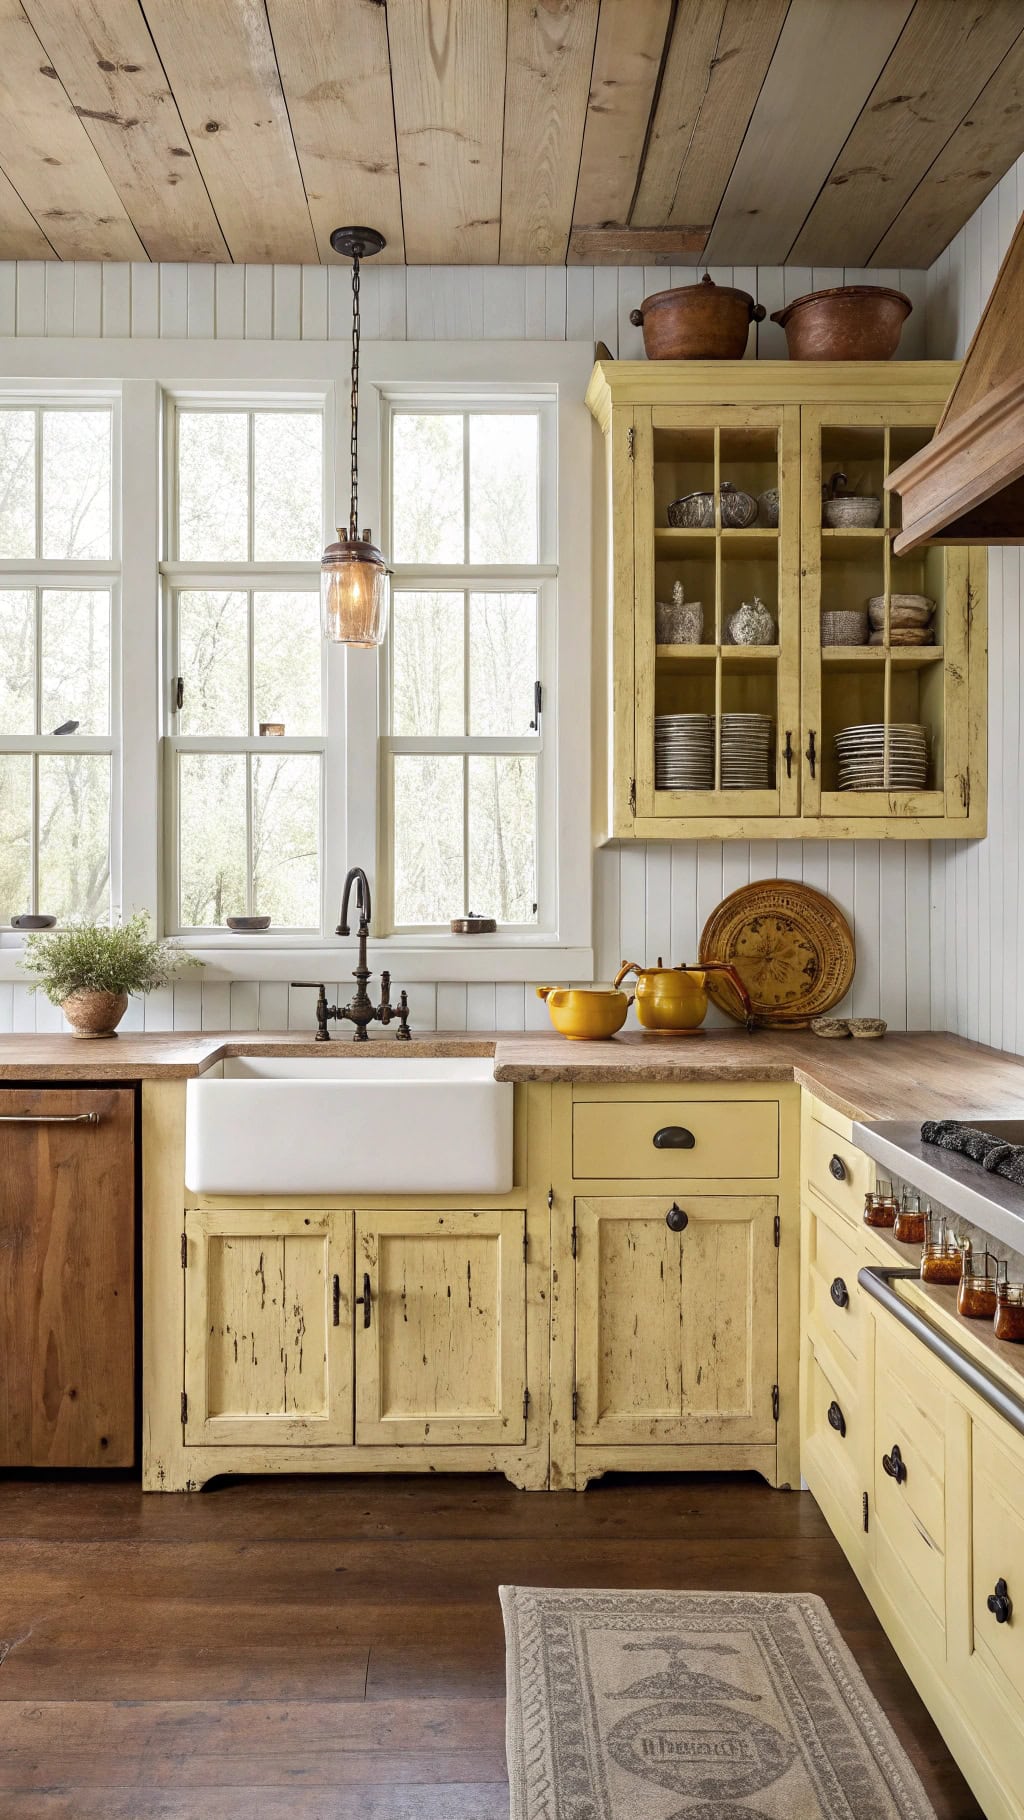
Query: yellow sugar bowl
[[584, 1013]]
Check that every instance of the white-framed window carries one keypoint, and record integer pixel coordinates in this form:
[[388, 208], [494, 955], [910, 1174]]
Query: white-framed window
[[468, 774], [60, 696], [246, 710]]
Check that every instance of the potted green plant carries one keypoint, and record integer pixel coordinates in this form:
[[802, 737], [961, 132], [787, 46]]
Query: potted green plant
[[89, 970]]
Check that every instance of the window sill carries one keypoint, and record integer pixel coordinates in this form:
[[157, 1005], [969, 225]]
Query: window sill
[[427, 959]]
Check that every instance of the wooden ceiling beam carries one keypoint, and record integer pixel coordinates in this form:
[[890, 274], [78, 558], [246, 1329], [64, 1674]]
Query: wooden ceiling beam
[[107, 63], [985, 144], [448, 81], [548, 65], [627, 61], [945, 55], [716, 64], [333, 59], [825, 65], [48, 157], [220, 62]]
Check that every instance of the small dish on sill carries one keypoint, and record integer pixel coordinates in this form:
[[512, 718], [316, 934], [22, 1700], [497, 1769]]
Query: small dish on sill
[[247, 925], [33, 922]]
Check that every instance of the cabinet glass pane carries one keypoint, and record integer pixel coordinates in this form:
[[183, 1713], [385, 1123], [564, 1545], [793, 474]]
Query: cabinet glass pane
[[502, 662], [17, 661], [17, 483], [503, 837], [76, 484], [503, 487], [286, 839], [287, 655], [287, 486], [15, 834], [212, 837], [427, 488], [75, 683], [213, 662], [74, 835], [428, 838], [427, 679], [213, 486]]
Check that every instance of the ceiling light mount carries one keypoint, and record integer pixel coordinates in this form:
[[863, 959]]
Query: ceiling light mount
[[357, 242]]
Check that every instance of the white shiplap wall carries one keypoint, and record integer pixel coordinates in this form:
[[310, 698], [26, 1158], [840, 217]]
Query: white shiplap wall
[[649, 900], [977, 971]]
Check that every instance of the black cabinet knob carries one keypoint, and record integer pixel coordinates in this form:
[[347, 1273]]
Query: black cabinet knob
[[673, 1137], [893, 1465], [676, 1220], [839, 1293], [836, 1419], [1000, 1603], [837, 1168]]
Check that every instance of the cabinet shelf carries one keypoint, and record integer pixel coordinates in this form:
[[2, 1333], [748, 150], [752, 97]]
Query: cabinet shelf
[[872, 657]]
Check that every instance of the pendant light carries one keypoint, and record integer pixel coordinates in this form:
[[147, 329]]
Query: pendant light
[[353, 572]]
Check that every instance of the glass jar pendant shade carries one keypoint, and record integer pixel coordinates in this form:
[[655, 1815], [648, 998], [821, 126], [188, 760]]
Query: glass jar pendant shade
[[353, 572]]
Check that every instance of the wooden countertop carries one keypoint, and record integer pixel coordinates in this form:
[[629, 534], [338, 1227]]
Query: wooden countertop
[[925, 1075]]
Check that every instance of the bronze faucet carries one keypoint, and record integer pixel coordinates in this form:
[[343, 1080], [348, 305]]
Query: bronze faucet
[[362, 1010]]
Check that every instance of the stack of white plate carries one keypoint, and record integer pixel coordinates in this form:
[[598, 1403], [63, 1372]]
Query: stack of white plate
[[747, 745], [684, 751], [861, 757]]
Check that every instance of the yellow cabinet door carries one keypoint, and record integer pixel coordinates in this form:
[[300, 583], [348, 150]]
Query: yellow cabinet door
[[440, 1328], [268, 1327], [676, 1330]]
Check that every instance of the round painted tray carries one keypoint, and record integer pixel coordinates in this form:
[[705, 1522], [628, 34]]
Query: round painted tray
[[791, 946]]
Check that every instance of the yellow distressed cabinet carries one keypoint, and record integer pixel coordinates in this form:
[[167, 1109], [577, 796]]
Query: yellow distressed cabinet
[[780, 432]]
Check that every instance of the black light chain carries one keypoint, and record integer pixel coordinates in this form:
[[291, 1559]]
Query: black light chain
[[353, 510]]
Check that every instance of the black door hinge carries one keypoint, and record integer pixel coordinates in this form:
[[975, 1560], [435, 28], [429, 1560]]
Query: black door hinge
[[575, 1402], [551, 1199], [184, 1407], [184, 1251], [572, 1239], [526, 1404], [631, 443], [778, 1232], [864, 1511], [775, 1402], [632, 796]]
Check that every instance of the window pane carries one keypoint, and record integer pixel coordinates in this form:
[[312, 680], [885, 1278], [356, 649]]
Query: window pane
[[76, 484], [286, 839], [427, 687], [286, 655], [15, 834], [288, 486], [17, 661], [503, 482], [502, 662], [426, 489], [17, 483], [76, 659], [213, 486], [211, 820], [428, 839], [502, 837], [213, 661], [74, 835]]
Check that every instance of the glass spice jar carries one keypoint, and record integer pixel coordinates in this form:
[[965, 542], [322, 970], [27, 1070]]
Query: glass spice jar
[[942, 1257], [978, 1293], [880, 1205], [1009, 1317], [910, 1221]]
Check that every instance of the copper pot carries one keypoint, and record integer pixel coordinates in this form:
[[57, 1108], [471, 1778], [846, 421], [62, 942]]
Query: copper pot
[[705, 321], [851, 322]]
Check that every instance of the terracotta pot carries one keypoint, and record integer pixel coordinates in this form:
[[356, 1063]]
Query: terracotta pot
[[705, 321], [94, 1013], [851, 322]]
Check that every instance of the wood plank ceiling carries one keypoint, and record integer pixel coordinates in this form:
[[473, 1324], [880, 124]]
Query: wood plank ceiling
[[521, 132]]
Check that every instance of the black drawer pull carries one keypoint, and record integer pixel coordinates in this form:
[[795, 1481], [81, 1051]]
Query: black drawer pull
[[839, 1293], [837, 1168], [674, 1137], [893, 1466], [336, 1301], [1000, 1603], [676, 1220], [836, 1419], [365, 1301]]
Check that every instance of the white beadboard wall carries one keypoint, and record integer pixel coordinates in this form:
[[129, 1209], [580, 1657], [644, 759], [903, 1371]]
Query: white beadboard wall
[[649, 899], [977, 969]]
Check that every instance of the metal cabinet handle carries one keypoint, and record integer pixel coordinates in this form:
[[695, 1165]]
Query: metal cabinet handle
[[365, 1301], [676, 1220], [839, 1293], [811, 754], [837, 1168], [893, 1466], [673, 1137], [836, 1419], [49, 1118], [336, 1300], [1000, 1603], [788, 754]]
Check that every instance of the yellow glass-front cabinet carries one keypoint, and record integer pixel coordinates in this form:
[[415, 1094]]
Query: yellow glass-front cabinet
[[762, 759]]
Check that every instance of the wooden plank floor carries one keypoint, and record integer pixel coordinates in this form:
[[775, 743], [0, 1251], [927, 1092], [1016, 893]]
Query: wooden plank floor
[[321, 1649]]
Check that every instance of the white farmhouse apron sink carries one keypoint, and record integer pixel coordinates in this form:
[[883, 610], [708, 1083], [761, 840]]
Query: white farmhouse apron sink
[[349, 1125]]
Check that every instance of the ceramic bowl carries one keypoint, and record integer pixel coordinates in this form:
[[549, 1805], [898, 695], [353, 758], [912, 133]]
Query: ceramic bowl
[[248, 925], [33, 922], [830, 1026], [851, 512], [868, 1026], [904, 610]]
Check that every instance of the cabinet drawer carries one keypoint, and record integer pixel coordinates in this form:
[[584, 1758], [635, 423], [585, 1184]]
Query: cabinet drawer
[[836, 1169], [909, 1472], [997, 1501], [832, 1439], [676, 1139], [835, 1310]]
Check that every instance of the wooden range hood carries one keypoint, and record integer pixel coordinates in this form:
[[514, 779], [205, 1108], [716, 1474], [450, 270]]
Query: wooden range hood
[[967, 485]]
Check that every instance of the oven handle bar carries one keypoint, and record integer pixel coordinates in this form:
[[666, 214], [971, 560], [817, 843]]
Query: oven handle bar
[[878, 1281]]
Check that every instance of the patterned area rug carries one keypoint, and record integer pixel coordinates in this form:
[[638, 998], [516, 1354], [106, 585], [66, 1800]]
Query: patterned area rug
[[693, 1706]]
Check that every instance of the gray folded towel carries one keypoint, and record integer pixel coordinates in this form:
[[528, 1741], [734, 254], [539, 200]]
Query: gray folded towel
[[982, 1147]]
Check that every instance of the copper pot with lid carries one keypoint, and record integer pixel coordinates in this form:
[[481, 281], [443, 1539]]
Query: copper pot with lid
[[705, 321]]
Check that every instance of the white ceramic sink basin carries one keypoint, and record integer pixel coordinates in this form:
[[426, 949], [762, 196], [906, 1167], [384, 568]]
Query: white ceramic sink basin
[[349, 1125]]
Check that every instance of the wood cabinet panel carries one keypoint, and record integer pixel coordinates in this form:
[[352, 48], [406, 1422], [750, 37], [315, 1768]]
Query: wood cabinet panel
[[909, 1502], [268, 1327], [67, 1265], [676, 1331], [997, 1523], [836, 1170], [441, 1358], [618, 1139], [834, 1301]]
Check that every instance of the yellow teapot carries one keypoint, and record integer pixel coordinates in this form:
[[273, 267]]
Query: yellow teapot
[[674, 1000]]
